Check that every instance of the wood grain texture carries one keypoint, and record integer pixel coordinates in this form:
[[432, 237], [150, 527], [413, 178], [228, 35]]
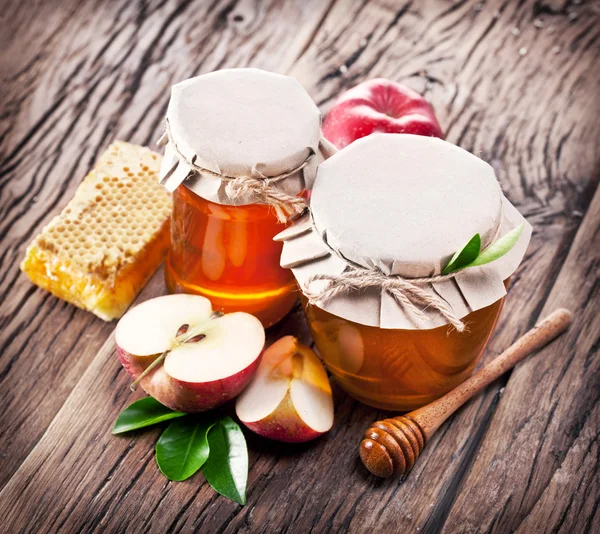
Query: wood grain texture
[[505, 106], [575, 484], [543, 411], [525, 100], [392, 446], [76, 76]]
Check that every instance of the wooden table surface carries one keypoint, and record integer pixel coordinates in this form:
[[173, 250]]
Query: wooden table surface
[[513, 81]]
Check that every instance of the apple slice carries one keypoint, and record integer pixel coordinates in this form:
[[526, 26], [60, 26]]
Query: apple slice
[[289, 399], [186, 356]]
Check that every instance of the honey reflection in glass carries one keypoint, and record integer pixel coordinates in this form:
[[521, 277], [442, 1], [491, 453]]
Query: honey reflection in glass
[[399, 369], [227, 254]]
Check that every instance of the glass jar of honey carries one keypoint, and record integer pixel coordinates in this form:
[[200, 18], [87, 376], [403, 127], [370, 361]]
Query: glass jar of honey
[[242, 146], [399, 308]]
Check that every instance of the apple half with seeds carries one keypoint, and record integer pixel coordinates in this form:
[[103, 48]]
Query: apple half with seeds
[[187, 356], [290, 398]]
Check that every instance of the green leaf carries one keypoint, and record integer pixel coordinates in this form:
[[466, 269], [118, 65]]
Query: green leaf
[[226, 469], [465, 255], [183, 448], [499, 248], [144, 412]]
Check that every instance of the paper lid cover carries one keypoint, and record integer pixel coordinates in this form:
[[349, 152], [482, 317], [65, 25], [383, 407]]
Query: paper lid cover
[[240, 122], [404, 204]]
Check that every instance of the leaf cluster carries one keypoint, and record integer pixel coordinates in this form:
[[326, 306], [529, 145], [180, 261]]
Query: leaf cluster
[[192, 442]]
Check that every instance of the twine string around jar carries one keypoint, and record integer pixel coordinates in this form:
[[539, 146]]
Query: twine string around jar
[[406, 291], [264, 189]]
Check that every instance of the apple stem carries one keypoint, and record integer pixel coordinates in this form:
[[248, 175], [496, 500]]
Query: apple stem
[[156, 362]]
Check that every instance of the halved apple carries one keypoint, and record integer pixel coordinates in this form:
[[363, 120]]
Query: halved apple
[[186, 356], [290, 398]]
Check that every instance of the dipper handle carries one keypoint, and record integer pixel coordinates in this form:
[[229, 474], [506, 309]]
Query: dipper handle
[[392, 446]]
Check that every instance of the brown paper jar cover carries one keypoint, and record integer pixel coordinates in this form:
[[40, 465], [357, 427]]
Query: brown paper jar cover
[[237, 123], [403, 204]]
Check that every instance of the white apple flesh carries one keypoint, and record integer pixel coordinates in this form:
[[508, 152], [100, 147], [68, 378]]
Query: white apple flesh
[[205, 359], [290, 398]]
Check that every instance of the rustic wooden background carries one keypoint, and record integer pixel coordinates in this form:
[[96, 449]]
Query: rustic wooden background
[[514, 81]]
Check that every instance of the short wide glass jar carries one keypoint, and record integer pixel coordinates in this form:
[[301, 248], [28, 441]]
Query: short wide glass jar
[[388, 214], [228, 134]]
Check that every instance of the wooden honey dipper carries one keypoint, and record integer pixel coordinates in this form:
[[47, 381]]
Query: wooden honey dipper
[[391, 447]]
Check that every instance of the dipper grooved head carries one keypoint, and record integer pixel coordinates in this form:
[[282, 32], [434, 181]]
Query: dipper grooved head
[[391, 447]]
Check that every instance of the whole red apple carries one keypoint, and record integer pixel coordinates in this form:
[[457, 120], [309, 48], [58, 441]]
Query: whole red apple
[[379, 105]]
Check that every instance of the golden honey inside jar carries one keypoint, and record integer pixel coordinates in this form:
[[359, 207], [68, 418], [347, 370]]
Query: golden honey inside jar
[[399, 308], [227, 254], [397, 369], [229, 134]]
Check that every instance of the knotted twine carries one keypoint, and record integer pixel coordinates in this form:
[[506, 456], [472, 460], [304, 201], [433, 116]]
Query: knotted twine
[[264, 189], [406, 291]]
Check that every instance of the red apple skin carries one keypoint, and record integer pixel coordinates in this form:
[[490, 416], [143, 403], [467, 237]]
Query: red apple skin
[[283, 424], [379, 105], [189, 397]]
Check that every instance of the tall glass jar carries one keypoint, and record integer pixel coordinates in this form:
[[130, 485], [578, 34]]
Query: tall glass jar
[[394, 326], [242, 146]]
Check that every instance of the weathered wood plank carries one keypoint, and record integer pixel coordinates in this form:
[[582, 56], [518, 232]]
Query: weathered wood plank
[[117, 475], [76, 76], [545, 430], [575, 484], [502, 105], [474, 74]]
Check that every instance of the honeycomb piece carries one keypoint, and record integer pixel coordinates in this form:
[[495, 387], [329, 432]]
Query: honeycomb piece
[[110, 238]]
